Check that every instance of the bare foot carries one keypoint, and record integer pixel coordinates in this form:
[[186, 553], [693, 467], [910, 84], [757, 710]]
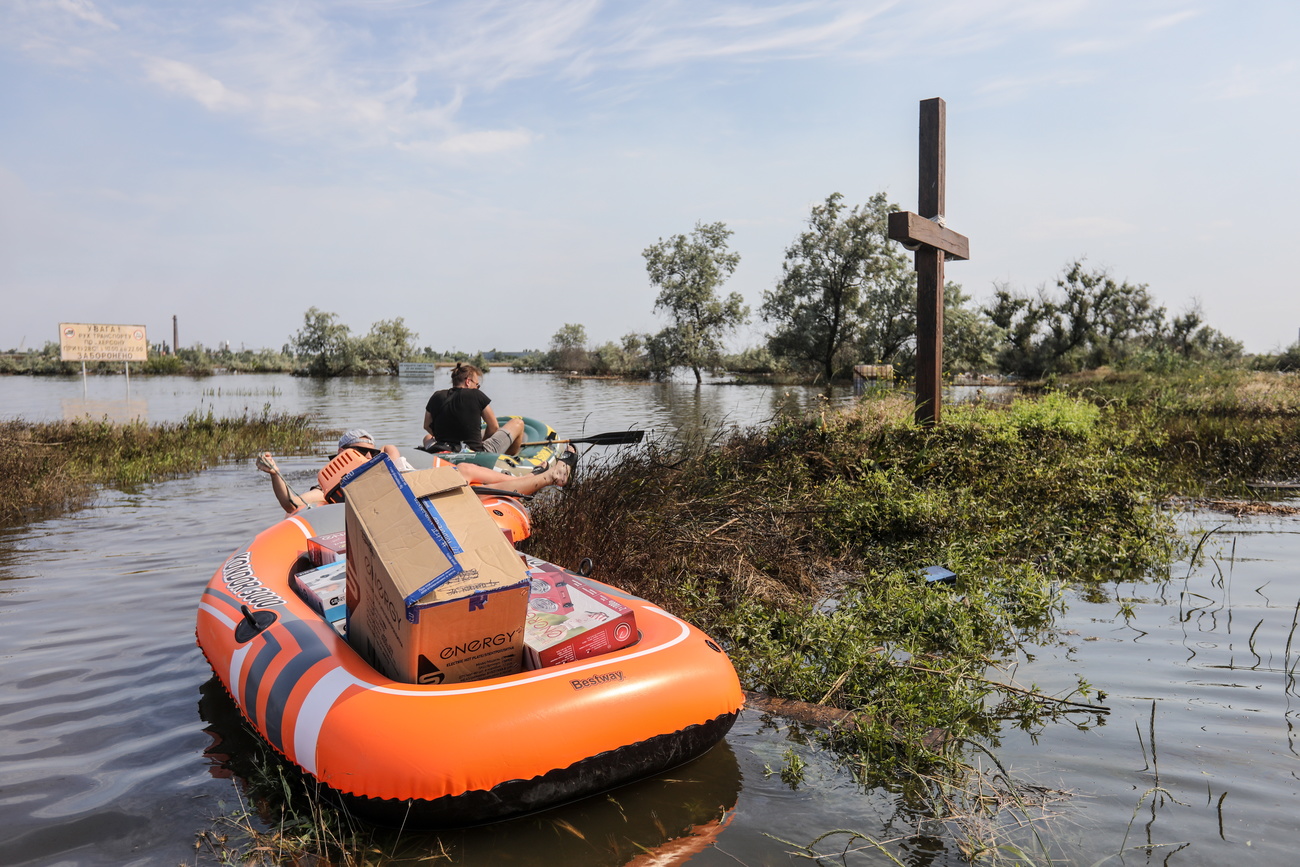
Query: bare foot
[[559, 474]]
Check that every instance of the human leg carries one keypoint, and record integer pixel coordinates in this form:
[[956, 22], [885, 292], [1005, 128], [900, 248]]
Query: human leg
[[508, 439], [556, 474]]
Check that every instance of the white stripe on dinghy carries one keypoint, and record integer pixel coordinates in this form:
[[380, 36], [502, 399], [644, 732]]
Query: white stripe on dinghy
[[339, 679], [236, 668], [311, 716], [217, 613]]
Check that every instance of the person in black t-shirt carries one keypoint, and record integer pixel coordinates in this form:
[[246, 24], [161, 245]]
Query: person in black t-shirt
[[452, 418]]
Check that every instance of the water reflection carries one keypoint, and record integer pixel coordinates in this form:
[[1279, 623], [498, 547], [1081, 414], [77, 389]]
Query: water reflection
[[661, 821], [393, 407], [121, 411]]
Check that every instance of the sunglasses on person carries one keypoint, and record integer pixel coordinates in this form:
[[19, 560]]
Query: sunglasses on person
[[368, 451]]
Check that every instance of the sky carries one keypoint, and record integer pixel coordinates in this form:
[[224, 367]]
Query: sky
[[490, 170]]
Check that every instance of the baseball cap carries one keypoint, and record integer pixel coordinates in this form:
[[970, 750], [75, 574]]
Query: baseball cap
[[356, 437]]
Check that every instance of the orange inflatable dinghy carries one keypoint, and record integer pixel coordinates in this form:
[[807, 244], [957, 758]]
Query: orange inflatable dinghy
[[460, 753]]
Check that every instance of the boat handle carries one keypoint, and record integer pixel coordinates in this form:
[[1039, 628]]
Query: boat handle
[[252, 623]]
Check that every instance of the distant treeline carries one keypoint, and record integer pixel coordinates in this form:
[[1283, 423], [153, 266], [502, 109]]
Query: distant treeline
[[846, 295]]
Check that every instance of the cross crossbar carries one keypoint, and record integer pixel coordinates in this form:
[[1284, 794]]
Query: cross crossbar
[[913, 229]]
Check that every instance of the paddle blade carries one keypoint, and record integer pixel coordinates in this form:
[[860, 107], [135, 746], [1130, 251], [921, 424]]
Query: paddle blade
[[614, 438]]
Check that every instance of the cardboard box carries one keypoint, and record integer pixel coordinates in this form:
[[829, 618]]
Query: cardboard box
[[326, 549], [435, 593], [570, 619], [324, 589]]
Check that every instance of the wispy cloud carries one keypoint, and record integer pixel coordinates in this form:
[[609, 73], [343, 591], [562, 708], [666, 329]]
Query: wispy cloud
[[84, 10], [184, 79], [1164, 22], [1012, 88], [793, 30], [486, 142], [1123, 32], [1244, 82], [483, 45], [397, 72]]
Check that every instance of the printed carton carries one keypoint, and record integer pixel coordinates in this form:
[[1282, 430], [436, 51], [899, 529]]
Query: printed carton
[[435, 593], [326, 549], [324, 589], [571, 619]]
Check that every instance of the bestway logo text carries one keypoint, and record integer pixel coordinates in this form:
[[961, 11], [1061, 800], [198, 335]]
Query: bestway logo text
[[597, 680]]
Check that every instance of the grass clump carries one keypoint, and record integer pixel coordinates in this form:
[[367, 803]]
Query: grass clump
[[802, 547], [55, 466], [1212, 430], [279, 815]]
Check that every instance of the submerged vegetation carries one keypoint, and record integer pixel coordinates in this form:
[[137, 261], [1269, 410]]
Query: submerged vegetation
[[1212, 430], [55, 466], [803, 547]]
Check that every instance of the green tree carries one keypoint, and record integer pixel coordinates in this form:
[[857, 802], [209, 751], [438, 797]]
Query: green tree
[[970, 339], [843, 284], [389, 343], [325, 343], [688, 272], [754, 360], [1288, 359], [1188, 337], [625, 359], [569, 348], [1089, 320]]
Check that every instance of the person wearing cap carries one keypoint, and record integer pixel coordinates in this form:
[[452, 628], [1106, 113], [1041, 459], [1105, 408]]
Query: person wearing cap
[[361, 442], [460, 417], [355, 440]]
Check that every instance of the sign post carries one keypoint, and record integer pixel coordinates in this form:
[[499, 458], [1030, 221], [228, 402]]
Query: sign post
[[934, 243], [82, 341]]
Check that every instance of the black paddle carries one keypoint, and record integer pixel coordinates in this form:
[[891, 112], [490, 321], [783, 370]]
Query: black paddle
[[614, 438]]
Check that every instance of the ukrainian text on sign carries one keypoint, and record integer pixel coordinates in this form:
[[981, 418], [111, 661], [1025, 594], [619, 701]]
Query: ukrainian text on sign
[[80, 341]]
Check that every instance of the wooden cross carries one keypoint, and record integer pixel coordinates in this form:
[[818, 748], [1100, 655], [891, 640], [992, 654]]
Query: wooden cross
[[933, 242]]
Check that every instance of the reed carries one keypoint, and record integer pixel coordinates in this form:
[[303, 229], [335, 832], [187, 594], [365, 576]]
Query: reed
[[1210, 429], [52, 467], [802, 548]]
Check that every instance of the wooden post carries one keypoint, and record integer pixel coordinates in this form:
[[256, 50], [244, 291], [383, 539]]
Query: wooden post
[[933, 242], [932, 164]]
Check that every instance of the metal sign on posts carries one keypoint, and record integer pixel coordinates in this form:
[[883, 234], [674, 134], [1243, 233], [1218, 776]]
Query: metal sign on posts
[[933, 242], [83, 341], [80, 341]]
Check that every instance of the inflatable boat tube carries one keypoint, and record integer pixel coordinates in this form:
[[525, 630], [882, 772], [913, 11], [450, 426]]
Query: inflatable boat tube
[[454, 754], [526, 461]]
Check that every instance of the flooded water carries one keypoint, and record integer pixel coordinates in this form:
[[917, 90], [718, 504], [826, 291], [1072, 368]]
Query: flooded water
[[392, 408], [114, 745]]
